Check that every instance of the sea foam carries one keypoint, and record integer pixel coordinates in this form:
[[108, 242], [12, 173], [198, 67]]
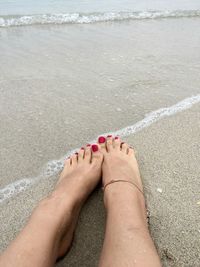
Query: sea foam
[[81, 18], [53, 167]]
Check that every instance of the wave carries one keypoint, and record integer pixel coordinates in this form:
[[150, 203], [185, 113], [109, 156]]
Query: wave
[[85, 18], [55, 166]]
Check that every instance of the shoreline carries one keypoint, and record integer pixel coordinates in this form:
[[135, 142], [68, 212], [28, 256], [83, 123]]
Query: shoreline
[[23, 184]]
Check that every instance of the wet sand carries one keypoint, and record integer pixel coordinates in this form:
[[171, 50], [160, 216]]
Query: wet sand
[[61, 86]]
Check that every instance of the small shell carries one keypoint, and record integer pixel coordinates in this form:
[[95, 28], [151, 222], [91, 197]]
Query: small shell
[[159, 190]]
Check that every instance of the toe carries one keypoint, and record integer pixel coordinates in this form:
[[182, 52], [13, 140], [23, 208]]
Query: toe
[[74, 159], [67, 162], [87, 155], [124, 147], [81, 154], [96, 153], [102, 143], [109, 143], [117, 143], [131, 151]]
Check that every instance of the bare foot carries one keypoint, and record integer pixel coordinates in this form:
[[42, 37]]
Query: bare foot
[[81, 174], [127, 240], [119, 161], [48, 233]]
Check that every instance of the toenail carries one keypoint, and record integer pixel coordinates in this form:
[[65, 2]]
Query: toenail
[[109, 135], [82, 148], [88, 145], [76, 153], [95, 148], [101, 140], [116, 137]]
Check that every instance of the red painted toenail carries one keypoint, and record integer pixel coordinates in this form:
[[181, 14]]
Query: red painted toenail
[[76, 153], [82, 148], [95, 148], [116, 137], [109, 135], [88, 145], [101, 140]]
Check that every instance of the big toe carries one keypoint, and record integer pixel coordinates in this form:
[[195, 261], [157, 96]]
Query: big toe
[[102, 143], [97, 155]]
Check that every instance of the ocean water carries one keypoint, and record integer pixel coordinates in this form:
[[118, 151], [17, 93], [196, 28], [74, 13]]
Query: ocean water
[[21, 12]]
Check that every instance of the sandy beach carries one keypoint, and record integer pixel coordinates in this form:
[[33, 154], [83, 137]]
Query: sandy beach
[[62, 86], [168, 153]]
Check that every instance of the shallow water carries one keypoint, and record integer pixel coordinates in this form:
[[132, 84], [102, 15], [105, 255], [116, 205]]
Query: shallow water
[[20, 12], [14, 7]]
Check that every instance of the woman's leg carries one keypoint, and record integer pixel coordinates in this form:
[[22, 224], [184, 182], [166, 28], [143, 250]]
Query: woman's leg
[[127, 240], [49, 232]]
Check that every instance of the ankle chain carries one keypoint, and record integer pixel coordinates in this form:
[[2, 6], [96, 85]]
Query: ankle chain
[[132, 183], [116, 181]]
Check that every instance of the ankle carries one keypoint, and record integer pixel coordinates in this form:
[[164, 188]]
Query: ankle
[[129, 201], [118, 191], [55, 208]]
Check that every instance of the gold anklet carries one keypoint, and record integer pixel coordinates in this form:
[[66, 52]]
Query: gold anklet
[[116, 181]]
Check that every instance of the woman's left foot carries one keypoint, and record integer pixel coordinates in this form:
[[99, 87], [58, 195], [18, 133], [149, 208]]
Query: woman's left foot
[[81, 174]]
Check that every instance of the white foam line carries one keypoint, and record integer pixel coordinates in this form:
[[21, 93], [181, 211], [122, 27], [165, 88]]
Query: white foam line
[[158, 115], [55, 166], [80, 18]]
